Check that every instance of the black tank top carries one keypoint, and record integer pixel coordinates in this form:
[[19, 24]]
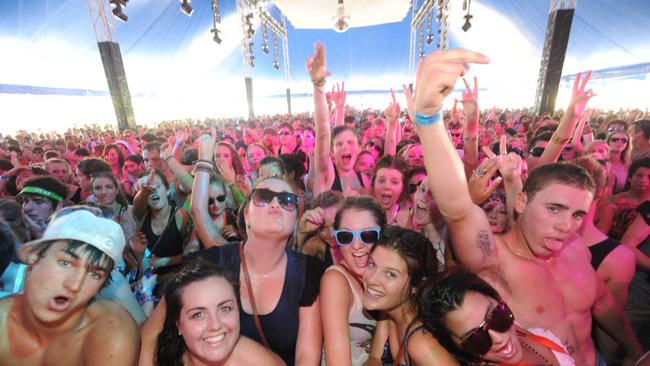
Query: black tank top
[[169, 243], [336, 185], [601, 250]]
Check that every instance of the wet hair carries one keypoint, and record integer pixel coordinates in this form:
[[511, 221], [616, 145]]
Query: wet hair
[[393, 162], [439, 296], [336, 131], [361, 203], [416, 251], [91, 166], [270, 159], [563, 173], [237, 165], [120, 154], [170, 346], [295, 163], [48, 183], [96, 259]]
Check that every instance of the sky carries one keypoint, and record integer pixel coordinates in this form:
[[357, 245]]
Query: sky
[[175, 70]]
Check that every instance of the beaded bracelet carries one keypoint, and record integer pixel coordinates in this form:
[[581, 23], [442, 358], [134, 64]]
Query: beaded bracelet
[[199, 168], [203, 161], [425, 120]]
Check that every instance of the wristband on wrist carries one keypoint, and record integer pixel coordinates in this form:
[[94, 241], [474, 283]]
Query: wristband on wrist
[[203, 161], [167, 159], [425, 120], [318, 82]]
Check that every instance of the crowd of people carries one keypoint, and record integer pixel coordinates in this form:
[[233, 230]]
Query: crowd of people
[[408, 236]]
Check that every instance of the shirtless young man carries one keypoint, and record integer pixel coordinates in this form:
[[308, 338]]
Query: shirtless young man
[[54, 321], [537, 266]]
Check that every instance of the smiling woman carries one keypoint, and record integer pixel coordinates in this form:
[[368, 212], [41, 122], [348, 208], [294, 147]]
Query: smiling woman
[[202, 321]]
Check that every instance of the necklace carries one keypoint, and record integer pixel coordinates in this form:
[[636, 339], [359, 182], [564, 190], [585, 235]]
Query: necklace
[[535, 352]]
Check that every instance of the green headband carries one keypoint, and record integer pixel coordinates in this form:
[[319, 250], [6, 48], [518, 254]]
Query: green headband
[[42, 192]]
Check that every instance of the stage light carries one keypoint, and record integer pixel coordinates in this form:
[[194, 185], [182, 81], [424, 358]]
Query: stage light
[[216, 35], [265, 48], [467, 24], [186, 8], [276, 65], [341, 19], [117, 11]]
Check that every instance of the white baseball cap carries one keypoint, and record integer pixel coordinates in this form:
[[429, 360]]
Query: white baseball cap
[[75, 223]]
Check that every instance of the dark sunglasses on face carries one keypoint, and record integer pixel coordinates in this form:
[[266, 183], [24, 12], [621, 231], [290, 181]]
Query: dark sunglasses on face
[[414, 187], [478, 341], [617, 139], [367, 236], [537, 151], [261, 197], [568, 148], [456, 134], [220, 198], [284, 133]]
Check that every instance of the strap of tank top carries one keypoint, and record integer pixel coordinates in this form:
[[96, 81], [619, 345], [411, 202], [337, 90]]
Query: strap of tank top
[[403, 353], [349, 272], [258, 323]]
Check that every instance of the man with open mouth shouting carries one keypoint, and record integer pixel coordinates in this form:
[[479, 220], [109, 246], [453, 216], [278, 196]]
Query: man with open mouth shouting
[[55, 321]]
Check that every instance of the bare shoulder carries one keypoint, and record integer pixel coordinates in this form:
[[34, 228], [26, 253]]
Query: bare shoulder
[[112, 335], [252, 353], [424, 349], [332, 283]]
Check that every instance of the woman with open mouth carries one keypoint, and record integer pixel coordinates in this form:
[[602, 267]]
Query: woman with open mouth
[[398, 263], [388, 188], [202, 322], [469, 318], [347, 328], [164, 226]]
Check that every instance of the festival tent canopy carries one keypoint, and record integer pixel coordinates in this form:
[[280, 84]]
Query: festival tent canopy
[[51, 74]]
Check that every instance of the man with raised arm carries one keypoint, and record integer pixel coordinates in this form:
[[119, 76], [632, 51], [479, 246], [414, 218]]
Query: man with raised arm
[[55, 321], [341, 144], [537, 266]]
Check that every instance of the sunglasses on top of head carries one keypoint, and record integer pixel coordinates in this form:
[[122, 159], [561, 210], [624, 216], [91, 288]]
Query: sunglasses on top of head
[[367, 236], [478, 341], [261, 197]]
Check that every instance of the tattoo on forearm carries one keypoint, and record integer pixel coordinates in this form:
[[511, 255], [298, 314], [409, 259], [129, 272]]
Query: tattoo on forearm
[[484, 243]]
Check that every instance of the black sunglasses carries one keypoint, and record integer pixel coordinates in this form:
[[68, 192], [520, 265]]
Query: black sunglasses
[[414, 187], [284, 133], [261, 197], [615, 128], [478, 341], [537, 151], [617, 139], [220, 198]]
